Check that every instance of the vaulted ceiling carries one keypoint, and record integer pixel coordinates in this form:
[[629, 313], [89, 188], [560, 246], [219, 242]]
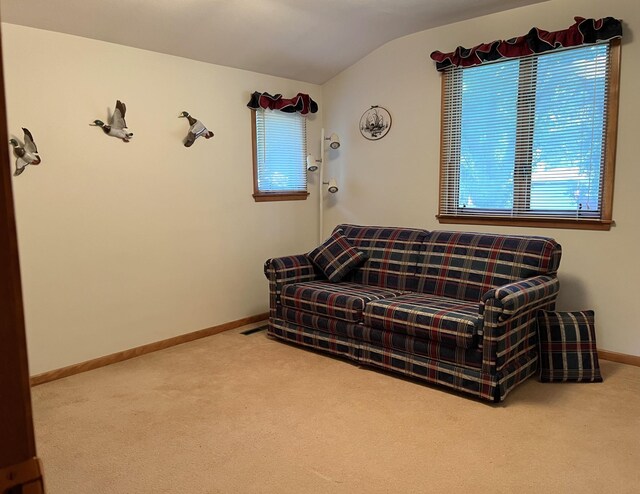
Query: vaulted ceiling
[[306, 40]]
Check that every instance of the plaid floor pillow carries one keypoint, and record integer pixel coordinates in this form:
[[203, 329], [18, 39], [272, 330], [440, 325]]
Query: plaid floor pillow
[[568, 350], [336, 257]]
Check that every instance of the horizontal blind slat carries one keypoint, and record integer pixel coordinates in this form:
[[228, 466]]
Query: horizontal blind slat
[[526, 136], [281, 147]]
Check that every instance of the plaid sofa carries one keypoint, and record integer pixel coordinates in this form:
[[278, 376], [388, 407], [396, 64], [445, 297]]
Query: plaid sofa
[[451, 308]]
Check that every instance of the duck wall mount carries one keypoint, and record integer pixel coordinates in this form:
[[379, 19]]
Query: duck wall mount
[[26, 154], [196, 129], [117, 126]]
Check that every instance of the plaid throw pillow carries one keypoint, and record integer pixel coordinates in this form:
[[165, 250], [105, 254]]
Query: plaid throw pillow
[[336, 257], [568, 350]]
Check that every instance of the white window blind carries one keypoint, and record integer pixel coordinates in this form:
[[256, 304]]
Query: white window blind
[[281, 150], [526, 137]]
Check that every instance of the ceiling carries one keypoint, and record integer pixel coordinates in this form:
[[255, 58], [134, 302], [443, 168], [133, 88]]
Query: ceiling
[[306, 40]]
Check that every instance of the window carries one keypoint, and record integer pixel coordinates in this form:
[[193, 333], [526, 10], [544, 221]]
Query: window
[[279, 154], [531, 141]]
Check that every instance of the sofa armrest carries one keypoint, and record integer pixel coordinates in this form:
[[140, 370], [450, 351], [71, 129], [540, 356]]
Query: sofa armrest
[[283, 271], [522, 295], [510, 325]]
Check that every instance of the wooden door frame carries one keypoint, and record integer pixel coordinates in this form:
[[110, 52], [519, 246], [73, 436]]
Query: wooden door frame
[[19, 466]]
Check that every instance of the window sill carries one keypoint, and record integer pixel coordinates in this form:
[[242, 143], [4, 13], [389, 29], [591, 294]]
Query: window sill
[[568, 224], [280, 196]]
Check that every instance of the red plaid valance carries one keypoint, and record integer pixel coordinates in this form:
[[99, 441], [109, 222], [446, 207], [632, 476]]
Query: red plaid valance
[[301, 103], [584, 31]]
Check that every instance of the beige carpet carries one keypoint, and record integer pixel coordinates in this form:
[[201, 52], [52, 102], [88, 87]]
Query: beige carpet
[[247, 414]]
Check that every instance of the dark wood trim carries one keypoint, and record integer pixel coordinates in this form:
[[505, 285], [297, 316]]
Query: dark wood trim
[[279, 196], [622, 358], [16, 421], [611, 139], [441, 182], [142, 350], [25, 477], [527, 222], [268, 196], [254, 148], [611, 136]]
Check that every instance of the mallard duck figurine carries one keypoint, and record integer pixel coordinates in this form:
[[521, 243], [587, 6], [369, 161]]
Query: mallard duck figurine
[[117, 126], [27, 154], [196, 129]]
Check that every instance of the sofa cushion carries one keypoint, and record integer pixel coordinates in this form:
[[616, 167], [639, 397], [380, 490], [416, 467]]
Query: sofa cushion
[[343, 300], [464, 265], [336, 256], [323, 323], [393, 341], [449, 321], [393, 255], [568, 350]]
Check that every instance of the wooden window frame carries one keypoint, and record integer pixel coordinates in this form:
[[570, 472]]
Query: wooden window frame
[[611, 132], [258, 195]]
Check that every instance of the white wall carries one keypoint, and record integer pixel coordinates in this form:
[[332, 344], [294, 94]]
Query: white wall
[[394, 181], [126, 244]]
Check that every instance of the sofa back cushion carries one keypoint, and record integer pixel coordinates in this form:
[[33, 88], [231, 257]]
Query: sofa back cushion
[[466, 265], [394, 254]]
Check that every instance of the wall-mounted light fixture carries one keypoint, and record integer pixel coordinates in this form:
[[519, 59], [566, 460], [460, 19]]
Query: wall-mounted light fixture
[[332, 185], [312, 163], [334, 141]]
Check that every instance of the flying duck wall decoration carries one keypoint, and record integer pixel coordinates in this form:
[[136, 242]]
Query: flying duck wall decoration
[[117, 127], [26, 154], [196, 129]]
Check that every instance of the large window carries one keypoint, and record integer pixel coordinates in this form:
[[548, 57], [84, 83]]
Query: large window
[[531, 141], [279, 154]]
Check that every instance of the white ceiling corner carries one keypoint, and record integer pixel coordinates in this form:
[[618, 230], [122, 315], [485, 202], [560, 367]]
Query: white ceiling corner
[[306, 40]]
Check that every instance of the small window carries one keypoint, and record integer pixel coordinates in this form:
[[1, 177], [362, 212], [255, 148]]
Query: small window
[[279, 154], [531, 141]]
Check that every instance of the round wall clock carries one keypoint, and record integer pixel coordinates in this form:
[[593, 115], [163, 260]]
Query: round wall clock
[[375, 123]]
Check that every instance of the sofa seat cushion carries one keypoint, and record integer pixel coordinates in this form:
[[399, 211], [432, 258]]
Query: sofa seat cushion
[[449, 321], [389, 341], [344, 301], [324, 324]]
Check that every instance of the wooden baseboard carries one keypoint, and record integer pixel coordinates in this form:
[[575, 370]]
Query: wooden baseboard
[[26, 477], [96, 363], [141, 350], [623, 358]]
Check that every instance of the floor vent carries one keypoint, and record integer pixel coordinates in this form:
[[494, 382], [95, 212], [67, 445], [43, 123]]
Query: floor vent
[[254, 330]]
